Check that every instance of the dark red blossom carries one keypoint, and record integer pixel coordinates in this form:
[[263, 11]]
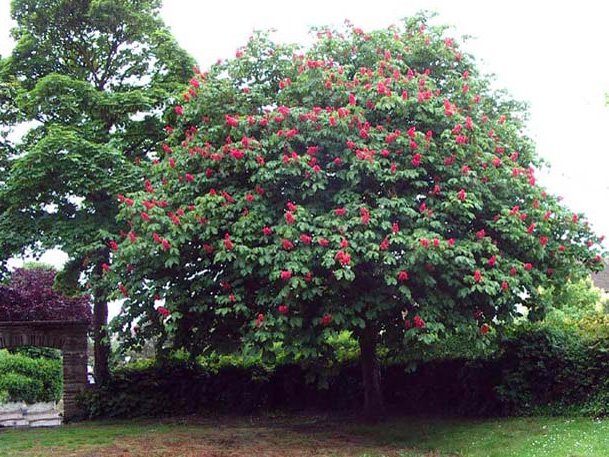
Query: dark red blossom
[[123, 290], [306, 239], [228, 244], [384, 244], [231, 121], [285, 275], [326, 319], [343, 258], [259, 320], [418, 322], [365, 215], [164, 312]]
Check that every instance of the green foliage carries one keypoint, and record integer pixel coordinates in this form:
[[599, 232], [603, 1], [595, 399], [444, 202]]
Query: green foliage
[[594, 327], [34, 265], [30, 379], [372, 180], [35, 352], [92, 77], [572, 301], [452, 386], [544, 365], [531, 369]]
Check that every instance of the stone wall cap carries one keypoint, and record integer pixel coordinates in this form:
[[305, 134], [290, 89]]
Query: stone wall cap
[[43, 323]]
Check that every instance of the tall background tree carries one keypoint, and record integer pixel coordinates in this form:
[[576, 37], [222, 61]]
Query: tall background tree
[[92, 78]]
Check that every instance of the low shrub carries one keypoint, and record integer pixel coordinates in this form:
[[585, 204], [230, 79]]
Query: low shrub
[[543, 365], [30, 379], [453, 386], [531, 369]]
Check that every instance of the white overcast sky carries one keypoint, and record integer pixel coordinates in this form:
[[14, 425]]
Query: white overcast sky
[[553, 55]]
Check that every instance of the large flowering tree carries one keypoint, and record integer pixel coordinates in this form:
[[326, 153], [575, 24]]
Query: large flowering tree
[[373, 183]]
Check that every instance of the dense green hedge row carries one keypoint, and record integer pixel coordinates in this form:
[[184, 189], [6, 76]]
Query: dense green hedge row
[[536, 369], [28, 379]]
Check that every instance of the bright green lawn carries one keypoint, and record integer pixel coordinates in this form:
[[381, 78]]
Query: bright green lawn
[[315, 436]]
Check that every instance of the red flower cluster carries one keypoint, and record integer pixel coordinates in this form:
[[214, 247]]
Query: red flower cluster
[[285, 275], [326, 319], [343, 258], [164, 312], [418, 321]]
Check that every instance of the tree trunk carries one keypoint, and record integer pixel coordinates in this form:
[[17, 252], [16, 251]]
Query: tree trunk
[[101, 342], [374, 408]]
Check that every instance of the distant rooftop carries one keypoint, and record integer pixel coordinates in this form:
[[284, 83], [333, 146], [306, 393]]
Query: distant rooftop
[[601, 279]]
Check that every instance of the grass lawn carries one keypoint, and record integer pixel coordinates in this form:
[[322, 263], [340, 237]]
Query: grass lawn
[[314, 436]]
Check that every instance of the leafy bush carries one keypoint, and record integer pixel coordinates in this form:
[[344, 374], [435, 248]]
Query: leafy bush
[[35, 352], [30, 296], [572, 301], [454, 386], [544, 365], [533, 369], [30, 380]]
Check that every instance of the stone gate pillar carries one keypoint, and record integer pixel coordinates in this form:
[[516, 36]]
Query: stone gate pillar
[[70, 337]]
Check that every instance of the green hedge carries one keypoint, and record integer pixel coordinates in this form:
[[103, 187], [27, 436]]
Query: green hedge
[[535, 369], [23, 378]]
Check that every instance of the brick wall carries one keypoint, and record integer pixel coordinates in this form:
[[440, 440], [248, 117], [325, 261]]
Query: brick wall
[[70, 337]]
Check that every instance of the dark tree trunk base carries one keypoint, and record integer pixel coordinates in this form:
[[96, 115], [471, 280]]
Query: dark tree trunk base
[[101, 343], [374, 406]]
